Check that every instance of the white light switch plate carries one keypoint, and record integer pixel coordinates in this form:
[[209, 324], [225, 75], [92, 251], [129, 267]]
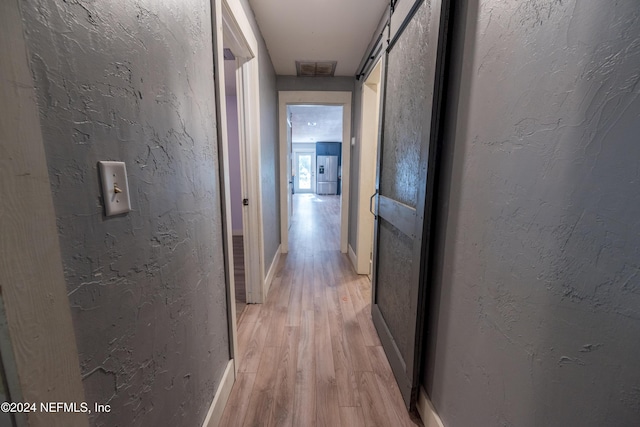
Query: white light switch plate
[[115, 188]]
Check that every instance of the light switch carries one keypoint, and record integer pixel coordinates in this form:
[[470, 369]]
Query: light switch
[[115, 188]]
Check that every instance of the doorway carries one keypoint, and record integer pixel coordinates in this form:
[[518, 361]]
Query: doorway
[[370, 131], [316, 132], [245, 208], [287, 99], [232, 31], [237, 179]]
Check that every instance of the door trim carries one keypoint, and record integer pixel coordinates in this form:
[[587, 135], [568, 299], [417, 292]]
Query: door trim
[[228, 17], [240, 33], [251, 182], [369, 141], [318, 98]]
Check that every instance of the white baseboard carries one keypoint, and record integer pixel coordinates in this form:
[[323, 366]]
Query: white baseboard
[[354, 258], [237, 232], [222, 395], [426, 410], [271, 273]]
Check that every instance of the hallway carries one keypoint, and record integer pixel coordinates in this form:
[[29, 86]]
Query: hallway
[[310, 355], [507, 198]]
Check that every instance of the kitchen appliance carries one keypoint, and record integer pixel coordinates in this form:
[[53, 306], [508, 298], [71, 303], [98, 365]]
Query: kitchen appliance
[[327, 175]]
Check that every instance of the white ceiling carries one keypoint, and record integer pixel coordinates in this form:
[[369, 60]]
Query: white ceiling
[[313, 123], [317, 30]]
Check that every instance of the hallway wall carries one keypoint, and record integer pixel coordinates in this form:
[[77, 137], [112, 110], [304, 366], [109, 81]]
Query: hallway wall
[[539, 299], [132, 81]]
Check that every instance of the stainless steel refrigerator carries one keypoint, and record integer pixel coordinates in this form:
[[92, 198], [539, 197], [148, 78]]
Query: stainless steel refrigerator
[[327, 175]]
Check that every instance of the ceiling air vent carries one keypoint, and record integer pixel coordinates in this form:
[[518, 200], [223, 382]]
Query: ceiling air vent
[[316, 68]]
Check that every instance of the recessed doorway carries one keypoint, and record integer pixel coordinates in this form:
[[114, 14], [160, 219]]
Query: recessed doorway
[[235, 41], [369, 139], [307, 132], [237, 179]]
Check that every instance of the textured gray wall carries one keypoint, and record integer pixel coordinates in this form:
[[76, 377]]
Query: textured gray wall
[[132, 81], [270, 157], [539, 306]]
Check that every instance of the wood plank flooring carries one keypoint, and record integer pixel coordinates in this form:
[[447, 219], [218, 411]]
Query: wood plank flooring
[[310, 356], [239, 275]]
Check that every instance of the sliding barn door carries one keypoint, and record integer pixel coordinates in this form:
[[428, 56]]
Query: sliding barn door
[[405, 186]]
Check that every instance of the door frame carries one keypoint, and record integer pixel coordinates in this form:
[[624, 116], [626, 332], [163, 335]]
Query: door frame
[[342, 98], [288, 169], [231, 25], [251, 188], [368, 169]]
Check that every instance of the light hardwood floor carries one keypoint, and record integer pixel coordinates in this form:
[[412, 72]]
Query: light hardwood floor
[[310, 356], [239, 275]]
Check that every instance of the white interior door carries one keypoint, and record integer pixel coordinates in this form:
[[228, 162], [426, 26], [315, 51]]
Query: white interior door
[[305, 172], [290, 168]]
